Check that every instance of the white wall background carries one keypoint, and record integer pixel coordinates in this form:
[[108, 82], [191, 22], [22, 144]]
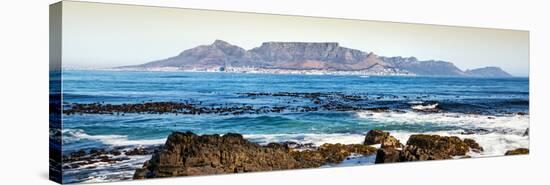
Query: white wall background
[[24, 90]]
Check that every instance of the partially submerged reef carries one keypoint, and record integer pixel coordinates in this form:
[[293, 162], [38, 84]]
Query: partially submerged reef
[[292, 102], [187, 154]]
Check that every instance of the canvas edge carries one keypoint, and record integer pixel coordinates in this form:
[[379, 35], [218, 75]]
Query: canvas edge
[[55, 99]]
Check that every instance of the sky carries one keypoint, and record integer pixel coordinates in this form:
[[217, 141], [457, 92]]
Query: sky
[[99, 35]]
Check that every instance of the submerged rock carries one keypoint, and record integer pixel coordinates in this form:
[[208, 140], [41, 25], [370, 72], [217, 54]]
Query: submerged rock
[[335, 153], [519, 151], [81, 158]]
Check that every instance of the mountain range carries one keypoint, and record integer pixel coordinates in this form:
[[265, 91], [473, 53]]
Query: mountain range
[[307, 56]]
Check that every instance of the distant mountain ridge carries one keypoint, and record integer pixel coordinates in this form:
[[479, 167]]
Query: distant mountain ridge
[[320, 56]]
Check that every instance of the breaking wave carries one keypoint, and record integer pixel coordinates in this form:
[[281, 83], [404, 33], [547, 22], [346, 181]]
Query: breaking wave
[[74, 135]]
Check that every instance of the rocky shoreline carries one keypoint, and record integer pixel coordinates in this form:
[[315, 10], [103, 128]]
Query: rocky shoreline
[[88, 158], [188, 154]]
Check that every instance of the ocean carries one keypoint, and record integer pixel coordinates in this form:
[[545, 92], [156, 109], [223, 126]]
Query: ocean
[[492, 111]]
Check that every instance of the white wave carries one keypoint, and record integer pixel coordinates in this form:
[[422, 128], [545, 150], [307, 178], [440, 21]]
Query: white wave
[[424, 107], [514, 123], [72, 135], [105, 172], [353, 160], [504, 132], [415, 102], [494, 144], [316, 139]]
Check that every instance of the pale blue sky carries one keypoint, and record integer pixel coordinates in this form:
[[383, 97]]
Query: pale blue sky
[[107, 35]]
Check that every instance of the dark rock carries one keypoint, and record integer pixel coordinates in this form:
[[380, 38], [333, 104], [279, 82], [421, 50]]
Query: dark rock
[[115, 152], [279, 146], [526, 133], [137, 151], [97, 152], [474, 146], [383, 138], [387, 155], [433, 147], [519, 151], [375, 137], [335, 153], [309, 158], [77, 154], [379, 109], [391, 142], [187, 154]]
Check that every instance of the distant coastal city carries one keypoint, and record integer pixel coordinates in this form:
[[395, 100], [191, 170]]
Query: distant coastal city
[[256, 70]]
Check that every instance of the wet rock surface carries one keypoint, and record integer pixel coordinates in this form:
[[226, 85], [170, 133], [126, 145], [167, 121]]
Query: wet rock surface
[[387, 155], [375, 137], [187, 154], [433, 147], [383, 138], [422, 147], [519, 151], [92, 156], [474, 146]]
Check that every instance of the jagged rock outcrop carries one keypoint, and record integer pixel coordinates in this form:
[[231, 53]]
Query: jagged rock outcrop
[[383, 138], [421, 147], [375, 137], [186, 154], [330, 56], [330, 153], [519, 151], [387, 155], [433, 147]]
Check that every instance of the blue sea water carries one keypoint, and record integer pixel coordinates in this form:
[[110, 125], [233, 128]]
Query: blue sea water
[[467, 104]]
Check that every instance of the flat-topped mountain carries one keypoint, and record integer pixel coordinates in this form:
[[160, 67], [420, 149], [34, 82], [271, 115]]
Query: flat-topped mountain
[[305, 56]]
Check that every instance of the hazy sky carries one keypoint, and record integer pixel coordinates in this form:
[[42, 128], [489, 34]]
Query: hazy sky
[[108, 35]]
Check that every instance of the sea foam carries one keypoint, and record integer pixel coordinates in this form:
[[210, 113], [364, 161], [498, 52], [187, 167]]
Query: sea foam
[[316, 139], [514, 123], [72, 135], [502, 133]]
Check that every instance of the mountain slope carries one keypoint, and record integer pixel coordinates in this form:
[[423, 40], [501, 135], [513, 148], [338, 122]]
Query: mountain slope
[[488, 72], [328, 56]]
